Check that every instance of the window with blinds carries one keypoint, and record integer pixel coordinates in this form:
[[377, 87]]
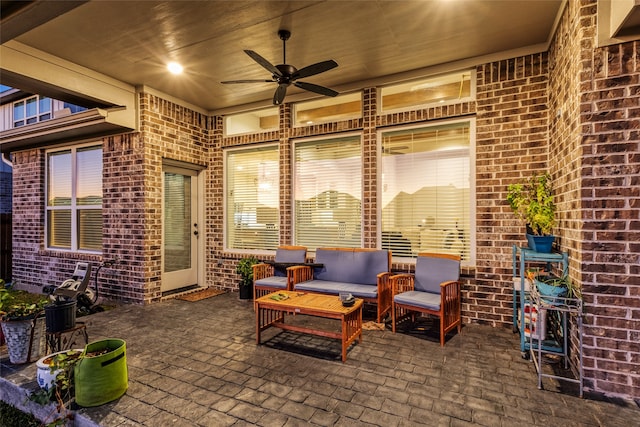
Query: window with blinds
[[426, 192], [252, 198], [328, 192], [74, 199]]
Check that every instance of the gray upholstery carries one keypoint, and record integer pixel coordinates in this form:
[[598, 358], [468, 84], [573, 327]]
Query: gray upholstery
[[426, 300], [430, 272], [276, 282], [357, 267], [287, 255], [328, 287]]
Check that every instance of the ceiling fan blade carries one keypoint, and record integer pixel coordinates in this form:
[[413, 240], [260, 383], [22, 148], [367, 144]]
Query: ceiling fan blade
[[314, 69], [246, 81], [266, 64], [315, 88], [280, 93]]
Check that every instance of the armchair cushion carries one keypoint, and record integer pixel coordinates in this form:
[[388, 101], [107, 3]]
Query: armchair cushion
[[431, 271], [276, 282], [427, 300]]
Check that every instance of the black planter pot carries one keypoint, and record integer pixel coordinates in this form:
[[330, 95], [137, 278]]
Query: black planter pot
[[246, 292], [60, 315]]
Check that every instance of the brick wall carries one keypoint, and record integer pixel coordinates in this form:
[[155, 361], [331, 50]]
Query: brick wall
[[124, 213], [597, 130], [511, 145], [169, 131]]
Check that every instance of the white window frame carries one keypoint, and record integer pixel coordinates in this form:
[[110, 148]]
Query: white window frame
[[73, 207], [227, 236], [38, 114], [472, 182]]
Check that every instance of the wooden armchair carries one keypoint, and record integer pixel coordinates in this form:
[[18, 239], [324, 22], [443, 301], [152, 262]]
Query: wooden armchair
[[434, 289], [272, 277]]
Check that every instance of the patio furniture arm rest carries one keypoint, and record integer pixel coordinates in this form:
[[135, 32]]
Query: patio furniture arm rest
[[262, 270], [385, 297], [401, 283], [298, 273], [450, 290]]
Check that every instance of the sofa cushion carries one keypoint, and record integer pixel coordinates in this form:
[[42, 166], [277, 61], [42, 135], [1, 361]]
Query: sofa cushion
[[335, 288], [430, 272], [351, 266], [426, 300], [276, 282]]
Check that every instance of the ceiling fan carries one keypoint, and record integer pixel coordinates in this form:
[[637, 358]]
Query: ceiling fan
[[285, 74]]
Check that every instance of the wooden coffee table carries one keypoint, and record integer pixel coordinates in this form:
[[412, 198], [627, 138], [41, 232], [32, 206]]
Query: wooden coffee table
[[272, 308]]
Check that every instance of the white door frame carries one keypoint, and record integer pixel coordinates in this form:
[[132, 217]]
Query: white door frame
[[198, 174]]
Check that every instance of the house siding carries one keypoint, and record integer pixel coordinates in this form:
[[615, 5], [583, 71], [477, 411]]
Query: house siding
[[570, 111]]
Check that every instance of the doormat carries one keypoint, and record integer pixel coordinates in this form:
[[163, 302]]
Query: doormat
[[373, 326], [200, 295]]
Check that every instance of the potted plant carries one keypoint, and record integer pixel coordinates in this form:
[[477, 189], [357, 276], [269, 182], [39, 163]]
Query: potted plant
[[245, 270], [553, 286], [21, 316], [60, 314], [532, 202]]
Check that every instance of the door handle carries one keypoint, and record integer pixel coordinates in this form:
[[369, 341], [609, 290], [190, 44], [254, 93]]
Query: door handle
[[195, 233]]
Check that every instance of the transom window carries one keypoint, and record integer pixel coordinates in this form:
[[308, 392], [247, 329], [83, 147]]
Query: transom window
[[328, 192], [327, 109], [452, 87], [31, 110], [255, 121], [252, 198], [74, 199], [426, 190]]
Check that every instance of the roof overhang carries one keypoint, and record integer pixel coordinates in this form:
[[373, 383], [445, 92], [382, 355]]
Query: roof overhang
[[94, 123]]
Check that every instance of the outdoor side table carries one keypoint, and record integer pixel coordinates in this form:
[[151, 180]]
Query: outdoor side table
[[67, 339]]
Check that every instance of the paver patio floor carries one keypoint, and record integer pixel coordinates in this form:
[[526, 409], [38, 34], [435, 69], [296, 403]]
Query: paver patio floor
[[197, 364]]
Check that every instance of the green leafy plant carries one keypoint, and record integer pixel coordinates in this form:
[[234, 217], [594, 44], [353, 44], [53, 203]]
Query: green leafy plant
[[20, 305], [62, 391], [532, 202], [573, 291], [245, 270]]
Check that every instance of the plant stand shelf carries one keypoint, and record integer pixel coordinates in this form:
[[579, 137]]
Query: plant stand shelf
[[67, 339], [556, 309], [521, 294]]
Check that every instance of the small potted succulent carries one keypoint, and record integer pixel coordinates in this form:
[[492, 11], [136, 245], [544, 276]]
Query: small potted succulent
[[532, 202]]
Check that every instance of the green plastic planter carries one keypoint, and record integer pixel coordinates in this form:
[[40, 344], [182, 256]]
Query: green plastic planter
[[103, 378]]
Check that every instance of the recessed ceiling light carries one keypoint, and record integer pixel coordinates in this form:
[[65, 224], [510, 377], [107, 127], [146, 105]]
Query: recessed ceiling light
[[175, 68]]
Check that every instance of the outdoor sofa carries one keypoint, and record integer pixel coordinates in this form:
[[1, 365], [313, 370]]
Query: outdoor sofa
[[364, 273]]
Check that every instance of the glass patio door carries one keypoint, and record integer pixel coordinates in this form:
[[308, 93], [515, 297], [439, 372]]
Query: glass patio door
[[179, 228]]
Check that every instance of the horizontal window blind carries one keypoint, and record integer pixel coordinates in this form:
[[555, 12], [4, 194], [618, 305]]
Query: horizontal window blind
[[426, 192], [328, 193], [252, 198]]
